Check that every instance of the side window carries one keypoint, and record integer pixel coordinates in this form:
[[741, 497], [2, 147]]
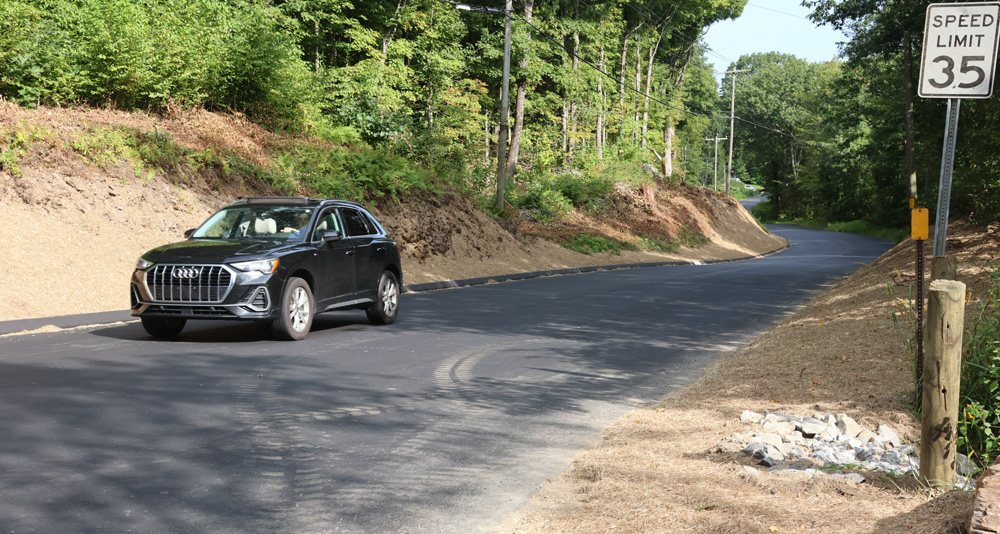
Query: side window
[[357, 223], [328, 221]]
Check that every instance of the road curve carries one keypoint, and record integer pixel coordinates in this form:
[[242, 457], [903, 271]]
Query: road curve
[[444, 422]]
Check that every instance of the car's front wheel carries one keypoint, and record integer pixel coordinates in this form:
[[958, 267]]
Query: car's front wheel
[[163, 326], [297, 310], [386, 305]]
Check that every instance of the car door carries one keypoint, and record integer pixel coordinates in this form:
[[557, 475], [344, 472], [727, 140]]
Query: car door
[[365, 239], [336, 278]]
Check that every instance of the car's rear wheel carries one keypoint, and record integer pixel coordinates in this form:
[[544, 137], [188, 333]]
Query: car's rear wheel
[[163, 326], [386, 305], [297, 310]]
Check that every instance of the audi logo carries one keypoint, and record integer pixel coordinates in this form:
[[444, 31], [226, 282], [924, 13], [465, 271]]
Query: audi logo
[[187, 272]]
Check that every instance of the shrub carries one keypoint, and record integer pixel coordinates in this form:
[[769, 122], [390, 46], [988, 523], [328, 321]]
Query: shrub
[[590, 244], [979, 429], [542, 202], [241, 55], [765, 212]]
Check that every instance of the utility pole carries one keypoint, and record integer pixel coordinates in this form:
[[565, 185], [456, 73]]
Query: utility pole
[[504, 111], [504, 90], [715, 178], [732, 125]]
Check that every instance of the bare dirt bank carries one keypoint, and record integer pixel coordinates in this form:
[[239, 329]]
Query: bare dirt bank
[[78, 216]]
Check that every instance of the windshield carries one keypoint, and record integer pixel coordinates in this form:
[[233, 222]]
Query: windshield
[[285, 223]]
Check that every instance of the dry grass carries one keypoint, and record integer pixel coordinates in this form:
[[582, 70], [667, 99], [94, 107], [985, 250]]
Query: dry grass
[[660, 469]]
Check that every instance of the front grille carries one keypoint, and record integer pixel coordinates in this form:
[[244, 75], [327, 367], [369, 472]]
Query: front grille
[[205, 311], [189, 283]]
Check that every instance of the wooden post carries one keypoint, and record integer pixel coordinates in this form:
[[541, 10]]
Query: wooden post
[[944, 268], [942, 375]]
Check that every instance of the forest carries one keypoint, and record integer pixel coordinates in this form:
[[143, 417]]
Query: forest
[[599, 90]]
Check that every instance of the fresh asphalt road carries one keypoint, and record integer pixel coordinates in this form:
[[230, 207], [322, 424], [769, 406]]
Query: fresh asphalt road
[[446, 421]]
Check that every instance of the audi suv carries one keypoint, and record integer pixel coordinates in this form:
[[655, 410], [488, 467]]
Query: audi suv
[[279, 260]]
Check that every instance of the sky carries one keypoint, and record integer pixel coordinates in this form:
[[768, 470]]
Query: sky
[[771, 26]]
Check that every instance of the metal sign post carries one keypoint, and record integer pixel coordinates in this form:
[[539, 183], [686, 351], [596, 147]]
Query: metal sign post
[[947, 171]]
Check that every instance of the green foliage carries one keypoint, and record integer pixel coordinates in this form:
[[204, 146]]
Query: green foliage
[[541, 201], [862, 227], [337, 172], [657, 244], [15, 144], [546, 197], [979, 428], [305, 167], [592, 244], [765, 211], [238, 55], [692, 239]]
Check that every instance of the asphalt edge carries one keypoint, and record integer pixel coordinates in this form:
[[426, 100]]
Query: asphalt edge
[[100, 318]]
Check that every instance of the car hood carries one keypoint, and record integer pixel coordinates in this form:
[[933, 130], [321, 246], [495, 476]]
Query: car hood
[[217, 250]]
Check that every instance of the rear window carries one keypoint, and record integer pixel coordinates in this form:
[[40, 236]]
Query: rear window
[[357, 223]]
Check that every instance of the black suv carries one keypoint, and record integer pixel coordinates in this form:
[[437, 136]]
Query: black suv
[[276, 259]]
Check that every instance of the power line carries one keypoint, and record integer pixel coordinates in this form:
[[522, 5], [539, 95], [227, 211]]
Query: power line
[[682, 34], [598, 69], [649, 18], [654, 99], [777, 11]]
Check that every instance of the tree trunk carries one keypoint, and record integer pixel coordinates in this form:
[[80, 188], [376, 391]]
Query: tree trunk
[[574, 94], [496, 133], [522, 88], [387, 39], [317, 43], [668, 149], [621, 81], [795, 166], [911, 167], [638, 86], [565, 125], [649, 87], [602, 99], [621, 88]]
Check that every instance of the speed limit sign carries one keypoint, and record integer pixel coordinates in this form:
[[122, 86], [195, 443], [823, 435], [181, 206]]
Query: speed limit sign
[[960, 50]]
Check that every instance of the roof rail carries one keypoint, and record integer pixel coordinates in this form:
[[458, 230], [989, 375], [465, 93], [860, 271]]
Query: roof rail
[[278, 200]]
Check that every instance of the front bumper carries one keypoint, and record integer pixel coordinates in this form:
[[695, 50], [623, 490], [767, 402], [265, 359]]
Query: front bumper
[[247, 296]]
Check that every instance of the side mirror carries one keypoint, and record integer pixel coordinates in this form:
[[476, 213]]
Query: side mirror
[[187, 233], [332, 235]]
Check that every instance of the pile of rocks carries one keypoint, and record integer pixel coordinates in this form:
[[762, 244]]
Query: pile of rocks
[[802, 447]]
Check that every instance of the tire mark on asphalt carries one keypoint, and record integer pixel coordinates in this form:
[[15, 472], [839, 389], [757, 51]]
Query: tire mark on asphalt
[[290, 490]]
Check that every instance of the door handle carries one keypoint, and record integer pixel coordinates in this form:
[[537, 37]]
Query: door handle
[[350, 253]]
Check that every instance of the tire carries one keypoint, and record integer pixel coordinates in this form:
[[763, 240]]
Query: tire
[[163, 327], [386, 305], [296, 311]]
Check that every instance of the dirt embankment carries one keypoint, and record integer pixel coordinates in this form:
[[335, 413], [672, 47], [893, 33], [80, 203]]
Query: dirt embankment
[[79, 212]]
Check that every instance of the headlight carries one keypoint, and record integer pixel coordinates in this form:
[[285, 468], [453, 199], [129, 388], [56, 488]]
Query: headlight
[[261, 266], [143, 264]]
